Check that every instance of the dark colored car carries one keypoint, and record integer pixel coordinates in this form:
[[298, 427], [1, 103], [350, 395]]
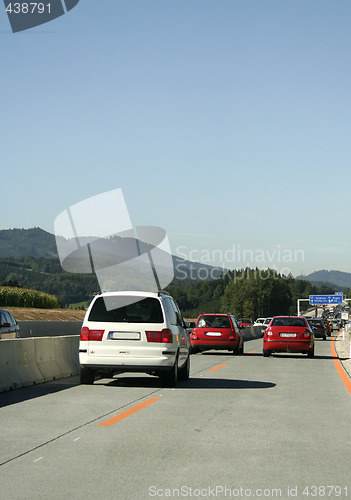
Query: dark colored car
[[217, 331], [318, 327], [9, 328], [288, 334]]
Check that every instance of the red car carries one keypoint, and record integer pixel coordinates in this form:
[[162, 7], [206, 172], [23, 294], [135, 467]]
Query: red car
[[245, 322], [288, 334], [217, 331]]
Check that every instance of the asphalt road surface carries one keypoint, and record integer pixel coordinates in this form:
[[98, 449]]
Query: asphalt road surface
[[241, 427]]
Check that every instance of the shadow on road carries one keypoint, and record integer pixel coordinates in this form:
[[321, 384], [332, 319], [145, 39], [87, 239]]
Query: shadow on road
[[224, 383], [36, 391], [192, 383], [301, 356]]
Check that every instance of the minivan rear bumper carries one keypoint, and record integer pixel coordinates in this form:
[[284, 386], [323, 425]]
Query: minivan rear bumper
[[125, 363]]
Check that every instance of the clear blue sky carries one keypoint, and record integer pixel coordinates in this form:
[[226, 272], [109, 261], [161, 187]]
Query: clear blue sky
[[227, 123]]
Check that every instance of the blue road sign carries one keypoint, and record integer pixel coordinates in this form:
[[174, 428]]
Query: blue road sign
[[325, 299]]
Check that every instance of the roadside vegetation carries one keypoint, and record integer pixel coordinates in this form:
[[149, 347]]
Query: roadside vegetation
[[22, 297]]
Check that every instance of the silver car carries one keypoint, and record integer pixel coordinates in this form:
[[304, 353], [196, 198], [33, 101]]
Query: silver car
[[9, 328]]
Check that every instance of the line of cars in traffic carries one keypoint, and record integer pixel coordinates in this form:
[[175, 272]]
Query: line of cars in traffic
[[321, 327], [145, 332], [280, 333]]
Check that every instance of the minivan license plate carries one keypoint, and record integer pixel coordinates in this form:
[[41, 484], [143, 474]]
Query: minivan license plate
[[125, 335]]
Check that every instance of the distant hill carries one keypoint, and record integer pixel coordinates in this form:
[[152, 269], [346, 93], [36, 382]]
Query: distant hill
[[38, 243], [33, 242], [28, 257], [337, 279]]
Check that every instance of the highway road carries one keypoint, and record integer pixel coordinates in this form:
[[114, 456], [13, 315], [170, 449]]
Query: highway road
[[241, 427]]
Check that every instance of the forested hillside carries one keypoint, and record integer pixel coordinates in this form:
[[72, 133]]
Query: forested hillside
[[33, 242], [246, 293], [29, 259]]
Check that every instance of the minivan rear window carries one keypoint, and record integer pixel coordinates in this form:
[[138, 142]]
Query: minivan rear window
[[147, 310]]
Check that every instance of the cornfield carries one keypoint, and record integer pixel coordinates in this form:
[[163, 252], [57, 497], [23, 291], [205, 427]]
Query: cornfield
[[21, 297]]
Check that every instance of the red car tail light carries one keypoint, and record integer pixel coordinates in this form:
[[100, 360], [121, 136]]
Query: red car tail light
[[269, 331], [306, 333], [87, 334], [163, 336], [232, 335]]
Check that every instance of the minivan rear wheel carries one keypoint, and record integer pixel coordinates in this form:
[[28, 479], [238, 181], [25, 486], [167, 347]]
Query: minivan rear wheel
[[184, 371], [170, 377], [86, 375]]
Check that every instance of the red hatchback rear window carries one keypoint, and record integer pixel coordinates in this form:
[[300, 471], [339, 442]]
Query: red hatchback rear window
[[296, 322], [213, 321]]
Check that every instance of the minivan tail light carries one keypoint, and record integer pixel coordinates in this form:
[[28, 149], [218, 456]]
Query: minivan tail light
[[87, 334], [164, 336], [153, 336], [84, 333], [167, 336]]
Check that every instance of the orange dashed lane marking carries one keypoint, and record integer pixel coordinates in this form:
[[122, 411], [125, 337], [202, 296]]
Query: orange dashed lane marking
[[250, 352], [339, 367], [217, 367], [127, 413]]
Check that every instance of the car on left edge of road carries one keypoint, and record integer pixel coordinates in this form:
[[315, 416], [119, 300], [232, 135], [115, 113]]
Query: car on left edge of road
[[288, 334], [9, 328]]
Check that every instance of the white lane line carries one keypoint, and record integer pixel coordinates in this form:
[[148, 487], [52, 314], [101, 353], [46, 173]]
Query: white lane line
[[37, 460]]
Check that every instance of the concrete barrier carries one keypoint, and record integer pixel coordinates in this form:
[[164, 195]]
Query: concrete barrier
[[25, 362], [45, 358], [66, 356], [252, 332], [7, 371], [48, 328]]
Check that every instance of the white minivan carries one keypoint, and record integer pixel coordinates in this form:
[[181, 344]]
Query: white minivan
[[134, 332]]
